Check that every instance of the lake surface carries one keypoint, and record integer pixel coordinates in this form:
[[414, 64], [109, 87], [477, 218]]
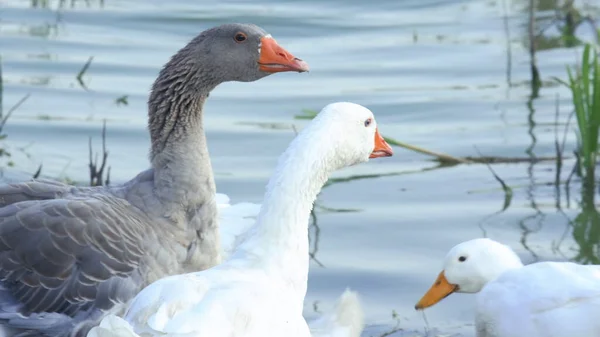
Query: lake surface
[[436, 73]]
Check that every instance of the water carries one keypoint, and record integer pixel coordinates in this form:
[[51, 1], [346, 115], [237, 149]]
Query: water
[[434, 72]]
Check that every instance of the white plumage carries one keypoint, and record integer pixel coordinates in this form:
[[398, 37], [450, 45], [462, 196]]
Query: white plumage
[[545, 299], [259, 290]]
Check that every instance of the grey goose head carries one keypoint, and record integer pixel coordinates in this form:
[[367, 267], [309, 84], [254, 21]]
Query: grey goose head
[[237, 52], [229, 52], [248, 53]]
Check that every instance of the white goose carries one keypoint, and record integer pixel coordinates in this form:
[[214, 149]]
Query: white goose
[[234, 220], [545, 299], [259, 290], [345, 320]]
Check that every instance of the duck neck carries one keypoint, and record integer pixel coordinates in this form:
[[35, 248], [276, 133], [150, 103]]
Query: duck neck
[[494, 267], [183, 177], [498, 267], [279, 241]]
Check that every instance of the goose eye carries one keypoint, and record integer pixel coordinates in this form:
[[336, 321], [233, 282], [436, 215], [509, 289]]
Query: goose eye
[[368, 122], [240, 37], [462, 259]]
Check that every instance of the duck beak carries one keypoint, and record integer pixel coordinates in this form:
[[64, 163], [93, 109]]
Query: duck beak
[[438, 291], [274, 59], [382, 148]]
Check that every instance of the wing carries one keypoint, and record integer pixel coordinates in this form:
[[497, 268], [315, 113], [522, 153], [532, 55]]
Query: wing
[[217, 302], [234, 220], [32, 190], [65, 256], [165, 305], [112, 326]]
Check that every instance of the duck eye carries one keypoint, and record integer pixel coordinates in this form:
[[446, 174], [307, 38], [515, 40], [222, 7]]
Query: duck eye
[[368, 122], [240, 37], [462, 259]]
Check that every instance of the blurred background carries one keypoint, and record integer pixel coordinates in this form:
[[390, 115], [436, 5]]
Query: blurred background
[[452, 77]]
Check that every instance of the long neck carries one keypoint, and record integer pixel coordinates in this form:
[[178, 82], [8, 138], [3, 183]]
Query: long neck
[[279, 241], [183, 177]]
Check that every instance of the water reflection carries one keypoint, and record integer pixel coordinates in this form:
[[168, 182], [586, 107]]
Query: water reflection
[[45, 30], [314, 230], [532, 223], [557, 30], [586, 228], [65, 3]]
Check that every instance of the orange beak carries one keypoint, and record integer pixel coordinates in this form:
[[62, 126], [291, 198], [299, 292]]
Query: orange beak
[[274, 59], [382, 148], [438, 291]]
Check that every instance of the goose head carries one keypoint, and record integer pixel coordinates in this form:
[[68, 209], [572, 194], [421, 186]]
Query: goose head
[[241, 52], [468, 267], [230, 52], [348, 132]]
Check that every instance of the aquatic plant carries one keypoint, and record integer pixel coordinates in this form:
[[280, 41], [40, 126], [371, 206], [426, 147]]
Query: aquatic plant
[[586, 230], [97, 172], [536, 81], [584, 83], [4, 117], [443, 158]]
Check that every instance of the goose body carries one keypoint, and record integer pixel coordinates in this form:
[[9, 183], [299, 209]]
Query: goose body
[[259, 290], [345, 320], [70, 255], [545, 299]]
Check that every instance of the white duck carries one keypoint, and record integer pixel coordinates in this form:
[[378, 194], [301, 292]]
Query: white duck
[[545, 299], [259, 290]]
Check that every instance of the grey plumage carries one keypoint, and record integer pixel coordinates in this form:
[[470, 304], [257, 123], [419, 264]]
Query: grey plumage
[[65, 250], [68, 255]]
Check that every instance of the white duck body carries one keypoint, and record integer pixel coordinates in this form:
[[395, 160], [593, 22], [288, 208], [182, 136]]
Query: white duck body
[[545, 299], [259, 290]]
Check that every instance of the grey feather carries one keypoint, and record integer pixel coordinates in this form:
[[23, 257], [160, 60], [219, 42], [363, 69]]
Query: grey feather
[[70, 255]]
